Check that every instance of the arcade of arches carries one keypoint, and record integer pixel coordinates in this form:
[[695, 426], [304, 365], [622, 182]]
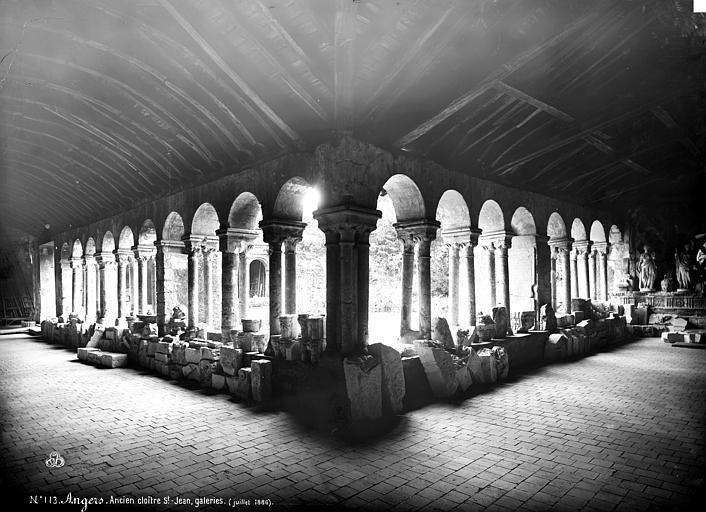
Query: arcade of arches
[[260, 244]]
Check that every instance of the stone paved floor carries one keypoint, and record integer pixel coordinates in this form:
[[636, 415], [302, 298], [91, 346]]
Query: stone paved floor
[[620, 430]]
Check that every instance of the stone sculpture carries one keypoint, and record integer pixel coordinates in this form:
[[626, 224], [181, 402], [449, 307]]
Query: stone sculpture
[[684, 264], [647, 269]]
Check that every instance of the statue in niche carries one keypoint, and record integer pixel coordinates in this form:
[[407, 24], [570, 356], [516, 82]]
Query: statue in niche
[[647, 269], [684, 267]]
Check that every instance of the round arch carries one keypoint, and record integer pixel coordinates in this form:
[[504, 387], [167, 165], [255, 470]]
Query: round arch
[[578, 230], [452, 211], [65, 251], [289, 203], [90, 247], [614, 235], [173, 227], [245, 212], [556, 227], [597, 232], [148, 233], [205, 221], [491, 217], [127, 238], [522, 222], [406, 197], [108, 244], [77, 249]]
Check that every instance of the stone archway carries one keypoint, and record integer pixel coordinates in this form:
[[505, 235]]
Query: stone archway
[[523, 264], [491, 256], [204, 269]]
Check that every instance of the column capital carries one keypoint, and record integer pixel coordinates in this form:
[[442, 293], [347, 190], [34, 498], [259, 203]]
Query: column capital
[[582, 246], [422, 230], [601, 247], [350, 222], [235, 240], [144, 251], [461, 236], [196, 243], [500, 239], [276, 231], [105, 258], [169, 246], [76, 262], [89, 259], [65, 263], [123, 256], [563, 243]]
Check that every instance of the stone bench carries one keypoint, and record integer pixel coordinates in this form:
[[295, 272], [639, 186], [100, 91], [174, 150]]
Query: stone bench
[[98, 357]]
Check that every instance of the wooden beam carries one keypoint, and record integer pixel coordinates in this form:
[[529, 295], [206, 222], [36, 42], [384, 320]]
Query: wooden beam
[[218, 60], [344, 63], [499, 74], [540, 105]]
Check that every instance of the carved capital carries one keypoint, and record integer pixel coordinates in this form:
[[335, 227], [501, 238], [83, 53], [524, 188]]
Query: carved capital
[[235, 239], [347, 224], [421, 231], [276, 231], [77, 262]]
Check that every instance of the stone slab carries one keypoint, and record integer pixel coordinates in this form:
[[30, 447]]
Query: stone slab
[[113, 360], [231, 360], [95, 338], [363, 376], [689, 345], [417, 390], [393, 385], [161, 357], [82, 352]]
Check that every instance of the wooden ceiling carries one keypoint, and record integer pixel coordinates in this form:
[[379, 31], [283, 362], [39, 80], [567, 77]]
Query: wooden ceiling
[[104, 104]]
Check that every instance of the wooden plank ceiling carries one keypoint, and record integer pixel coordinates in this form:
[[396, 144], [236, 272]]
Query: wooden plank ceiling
[[104, 104]]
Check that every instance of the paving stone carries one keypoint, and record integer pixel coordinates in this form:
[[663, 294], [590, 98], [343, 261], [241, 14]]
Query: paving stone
[[363, 377], [393, 384]]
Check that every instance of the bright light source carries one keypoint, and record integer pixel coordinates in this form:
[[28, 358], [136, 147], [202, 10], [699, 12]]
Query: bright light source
[[310, 201]]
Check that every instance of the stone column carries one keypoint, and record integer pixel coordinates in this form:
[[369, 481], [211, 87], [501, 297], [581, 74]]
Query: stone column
[[290, 273], [244, 282], [543, 262], [134, 284], [407, 283], [193, 249], [232, 244], [141, 284], [453, 248], [275, 232], [77, 281], [489, 251], [574, 274], [109, 289], [582, 249], [502, 275], [422, 232], [123, 257], [347, 229], [592, 293], [465, 239], [91, 278], [66, 288], [208, 254], [562, 249], [602, 271]]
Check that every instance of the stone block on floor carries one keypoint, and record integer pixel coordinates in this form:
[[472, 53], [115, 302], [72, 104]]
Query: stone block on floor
[[393, 385], [502, 322], [555, 349], [209, 353], [193, 355], [261, 380], [464, 337], [191, 372], [82, 352], [564, 320], [218, 382], [95, 338], [231, 360], [243, 340], [113, 360], [475, 367], [502, 362], [439, 367], [175, 371], [232, 384], [243, 388], [441, 332], [363, 376], [463, 377], [161, 357], [488, 366], [205, 372]]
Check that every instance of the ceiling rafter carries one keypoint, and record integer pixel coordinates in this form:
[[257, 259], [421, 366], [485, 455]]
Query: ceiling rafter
[[285, 74], [499, 74], [228, 70], [344, 64]]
